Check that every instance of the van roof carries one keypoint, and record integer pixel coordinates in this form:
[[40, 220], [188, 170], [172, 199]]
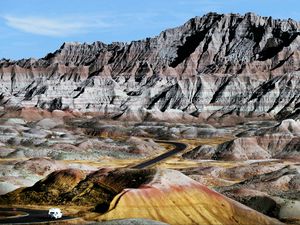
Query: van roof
[[54, 209]]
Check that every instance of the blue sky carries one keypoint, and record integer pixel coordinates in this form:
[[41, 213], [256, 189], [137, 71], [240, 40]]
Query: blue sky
[[32, 28]]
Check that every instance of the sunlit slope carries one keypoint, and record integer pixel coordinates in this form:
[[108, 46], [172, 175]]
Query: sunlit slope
[[158, 194], [176, 199]]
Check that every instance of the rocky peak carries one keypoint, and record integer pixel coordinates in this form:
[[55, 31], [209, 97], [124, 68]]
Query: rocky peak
[[213, 43], [214, 65]]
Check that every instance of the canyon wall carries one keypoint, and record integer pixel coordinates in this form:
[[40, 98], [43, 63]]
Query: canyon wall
[[213, 66]]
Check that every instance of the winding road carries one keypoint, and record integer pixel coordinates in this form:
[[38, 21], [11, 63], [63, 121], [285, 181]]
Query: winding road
[[178, 148], [41, 216], [33, 216]]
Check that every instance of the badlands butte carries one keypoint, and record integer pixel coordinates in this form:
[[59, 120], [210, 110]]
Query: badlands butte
[[74, 124]]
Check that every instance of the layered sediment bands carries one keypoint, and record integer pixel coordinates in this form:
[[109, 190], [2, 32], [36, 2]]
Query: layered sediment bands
[[270, 193], [163, 195], [211, 66], [281, 141], [175, 199]]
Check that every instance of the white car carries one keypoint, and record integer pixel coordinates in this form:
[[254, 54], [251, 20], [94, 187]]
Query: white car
[[55, 213]]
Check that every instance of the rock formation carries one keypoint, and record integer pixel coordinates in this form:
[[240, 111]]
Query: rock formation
[[270, 193], [164, 195], [281, 141], [200, 152], [210, 67]]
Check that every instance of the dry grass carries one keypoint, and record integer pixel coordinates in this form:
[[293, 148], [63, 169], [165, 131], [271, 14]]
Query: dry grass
[[5, 160], [105, 162], [179, 163], [174, 162], [205, 141]]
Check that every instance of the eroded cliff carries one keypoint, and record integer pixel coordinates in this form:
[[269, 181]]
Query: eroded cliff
[[212, 66]]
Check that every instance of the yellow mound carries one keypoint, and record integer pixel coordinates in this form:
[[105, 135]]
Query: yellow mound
[[176, 199]]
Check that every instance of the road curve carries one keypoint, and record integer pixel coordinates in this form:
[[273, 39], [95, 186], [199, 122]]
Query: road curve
[[34, 216], [41, 216], [178, 148]]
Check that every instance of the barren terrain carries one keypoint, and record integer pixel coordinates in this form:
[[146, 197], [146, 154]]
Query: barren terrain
[[74, 124]]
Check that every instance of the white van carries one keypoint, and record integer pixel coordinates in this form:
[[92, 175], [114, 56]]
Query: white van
[[55, 213]]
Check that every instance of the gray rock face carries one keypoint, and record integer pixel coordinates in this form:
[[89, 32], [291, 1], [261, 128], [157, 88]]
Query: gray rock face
[[211, 66], [200, 152], [281, 141]]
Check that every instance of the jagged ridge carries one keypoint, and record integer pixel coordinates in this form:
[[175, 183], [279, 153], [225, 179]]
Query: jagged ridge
[[210, 66]]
